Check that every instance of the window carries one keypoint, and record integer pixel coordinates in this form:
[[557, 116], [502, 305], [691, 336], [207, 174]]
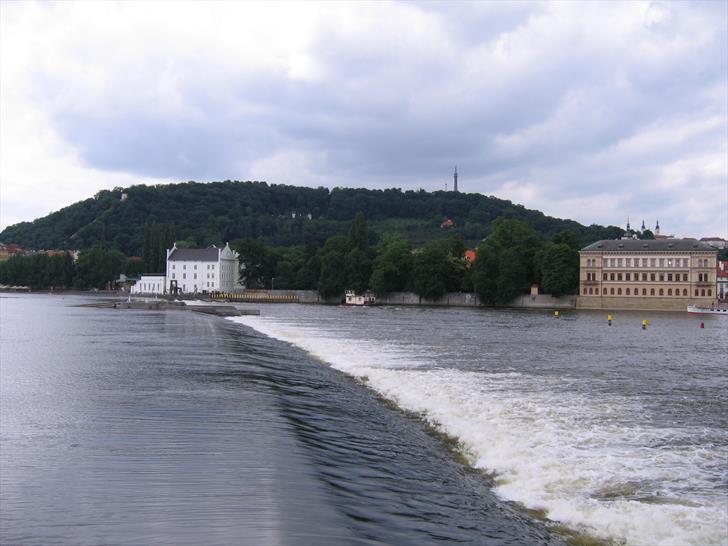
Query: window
[[611, 291], [644, 276], [627, 292], [710, 292], [195, 276], [590, 292], [685, 278], [644, 291], [619, 291], [685, 291], [636, 262], [172, 266], [208, 267], [662, 262], [173, 275], [184, 266], [619, 276], [195, 266], [697, 292], [653, 262], [604, 291], [662, 291], [669, 291], [585, 291], [619, 262], [213, 266], [604, 276], [662, 277], [644, 262], [626, 276], [669, 277], [669, 262], [685, 262], [184, 275], [611, 276], [702, 292], [652, 276], [652, 291]]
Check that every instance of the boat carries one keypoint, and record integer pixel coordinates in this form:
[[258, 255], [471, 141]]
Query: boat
[[712, 310], [352, 298]]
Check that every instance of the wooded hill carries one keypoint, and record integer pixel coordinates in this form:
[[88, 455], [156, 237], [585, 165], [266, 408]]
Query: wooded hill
[[277, 215]]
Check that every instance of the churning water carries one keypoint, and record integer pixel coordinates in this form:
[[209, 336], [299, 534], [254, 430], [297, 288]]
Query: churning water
[[616, 432]]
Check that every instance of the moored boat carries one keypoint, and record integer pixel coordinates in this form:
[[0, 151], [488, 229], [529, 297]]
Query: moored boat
[[712, 310], [352, 298]]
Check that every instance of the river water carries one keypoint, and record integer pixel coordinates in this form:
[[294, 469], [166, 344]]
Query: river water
[[131, 427]]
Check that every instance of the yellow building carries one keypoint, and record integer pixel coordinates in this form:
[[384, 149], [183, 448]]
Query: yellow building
[[664, 274]]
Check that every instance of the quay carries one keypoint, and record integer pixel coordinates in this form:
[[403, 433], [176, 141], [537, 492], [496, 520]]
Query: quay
[[221, 310]]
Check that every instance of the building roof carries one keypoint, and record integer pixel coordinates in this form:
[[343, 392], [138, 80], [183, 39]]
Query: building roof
[[209, 254], [646, 245]]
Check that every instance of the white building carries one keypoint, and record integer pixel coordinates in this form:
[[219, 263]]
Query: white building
[[209, 269], [150, 284]]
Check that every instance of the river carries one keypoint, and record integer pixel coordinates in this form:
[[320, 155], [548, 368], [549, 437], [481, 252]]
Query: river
[[332, 425]]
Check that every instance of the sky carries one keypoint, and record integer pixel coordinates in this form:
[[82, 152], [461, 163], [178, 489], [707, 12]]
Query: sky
[[593, 111]]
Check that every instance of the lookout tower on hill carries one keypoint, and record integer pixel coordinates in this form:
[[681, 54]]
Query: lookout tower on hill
[[455, 179]]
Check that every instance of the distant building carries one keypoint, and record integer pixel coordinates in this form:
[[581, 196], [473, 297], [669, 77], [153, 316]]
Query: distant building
[[192, 270], [447, 223], [715, 242], [470, 256], [9, 250], [721, 280], [664, 274], [150, 284]]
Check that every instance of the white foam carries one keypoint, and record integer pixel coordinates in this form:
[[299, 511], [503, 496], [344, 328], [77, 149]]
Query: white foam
[[550, 449]]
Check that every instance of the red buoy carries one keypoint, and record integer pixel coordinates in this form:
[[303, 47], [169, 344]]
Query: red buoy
[[702, 325]]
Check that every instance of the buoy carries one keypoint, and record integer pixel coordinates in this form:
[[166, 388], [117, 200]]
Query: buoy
[[609, 320], [557, 314], [645, 323], [702, 325]]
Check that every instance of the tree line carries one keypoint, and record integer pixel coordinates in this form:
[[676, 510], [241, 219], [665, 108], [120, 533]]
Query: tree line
[[507, 262], [277, 215]]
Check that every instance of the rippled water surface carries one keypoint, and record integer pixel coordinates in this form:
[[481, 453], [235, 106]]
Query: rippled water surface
[[617, 432], [134, 427]]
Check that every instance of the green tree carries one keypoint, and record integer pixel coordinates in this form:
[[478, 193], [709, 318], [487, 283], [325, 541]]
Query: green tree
[[504, 266], [560, 270], [257, 263], [438, 268], [392, 267], [332, 281], [97, 267], [359, 233], [647, 234]]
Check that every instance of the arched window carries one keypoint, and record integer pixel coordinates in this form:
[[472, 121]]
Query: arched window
[[662, 292], [611, 291], [652, 291], [710, 292], [644, 291], [585, 290], [627, 292], [702, 292], [697, 292], [685, 291], [619, 291], [590, 292], [604, 291], [669, 291]]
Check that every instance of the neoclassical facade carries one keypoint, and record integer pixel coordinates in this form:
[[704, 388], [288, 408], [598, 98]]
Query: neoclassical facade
[[663, 274]]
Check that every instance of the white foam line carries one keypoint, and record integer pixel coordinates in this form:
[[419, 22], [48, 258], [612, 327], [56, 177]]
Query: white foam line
[[551, 450]]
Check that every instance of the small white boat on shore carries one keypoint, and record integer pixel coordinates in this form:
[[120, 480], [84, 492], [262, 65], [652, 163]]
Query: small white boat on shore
[[712, 310], [352, 298]]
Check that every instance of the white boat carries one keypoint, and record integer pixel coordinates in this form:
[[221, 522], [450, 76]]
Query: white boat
[[712, 310], [352, 298]]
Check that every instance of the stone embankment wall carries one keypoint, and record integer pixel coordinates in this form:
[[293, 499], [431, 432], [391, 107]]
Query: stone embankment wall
[[452, 299]]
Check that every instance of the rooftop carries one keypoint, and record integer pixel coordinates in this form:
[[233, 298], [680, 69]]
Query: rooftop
[[647, 245], [209, 254]]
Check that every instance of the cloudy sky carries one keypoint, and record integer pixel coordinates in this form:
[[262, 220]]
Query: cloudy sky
[[591, 111]]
